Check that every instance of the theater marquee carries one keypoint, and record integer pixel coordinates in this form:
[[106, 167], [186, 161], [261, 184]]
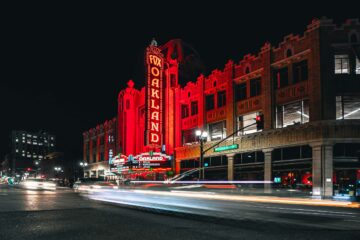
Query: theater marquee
[[155, 63]]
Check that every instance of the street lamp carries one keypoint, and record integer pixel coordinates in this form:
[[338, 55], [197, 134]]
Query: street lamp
[[83, 165], [202, 135], [57, 170]]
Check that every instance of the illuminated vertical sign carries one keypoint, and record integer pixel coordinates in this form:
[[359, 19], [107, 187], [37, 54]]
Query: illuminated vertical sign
[[154, 62]]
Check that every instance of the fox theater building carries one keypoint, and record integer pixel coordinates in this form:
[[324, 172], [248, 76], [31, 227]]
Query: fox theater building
[[307, 88]]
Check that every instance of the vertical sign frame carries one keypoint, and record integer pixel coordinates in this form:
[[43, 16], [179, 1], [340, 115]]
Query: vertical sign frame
[[154, 97]]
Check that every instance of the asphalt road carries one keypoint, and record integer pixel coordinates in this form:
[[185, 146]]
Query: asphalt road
[[63, 214]]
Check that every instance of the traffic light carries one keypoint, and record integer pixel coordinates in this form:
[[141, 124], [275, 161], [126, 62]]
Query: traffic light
[[259, 122]]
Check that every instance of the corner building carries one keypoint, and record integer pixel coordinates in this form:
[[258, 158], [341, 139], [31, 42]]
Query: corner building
[[308, 89]]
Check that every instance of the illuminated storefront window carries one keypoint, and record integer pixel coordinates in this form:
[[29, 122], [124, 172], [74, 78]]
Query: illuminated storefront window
[[347, 107], [357, 69], [341, 64], [247, 120], [293, 113], [217, 130]]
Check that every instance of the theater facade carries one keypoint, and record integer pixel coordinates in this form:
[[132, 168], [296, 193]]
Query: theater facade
[[307, 87]]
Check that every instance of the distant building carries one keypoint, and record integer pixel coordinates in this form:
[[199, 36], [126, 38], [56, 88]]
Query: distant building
[[28, 150]]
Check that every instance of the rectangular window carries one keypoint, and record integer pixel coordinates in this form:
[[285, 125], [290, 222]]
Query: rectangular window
[[188, 136], [184, 111], [347, 107], [194, 108], [281, 77], [210, 104], [357, 68], [293, 113], [217, 130], [173, 80], [255, 87], [240, 91], [300, 71], [246, 120], [342, 63], [221, 98]]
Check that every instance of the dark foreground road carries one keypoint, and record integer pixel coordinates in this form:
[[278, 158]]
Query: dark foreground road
[[63, 214]]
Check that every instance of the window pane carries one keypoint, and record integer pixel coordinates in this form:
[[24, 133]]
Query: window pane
[[351, 107], [260, 157], [300, 71], [279, 116], [194, 108], [276, 154], [305, 111], [209, 102], [240, 91], [347, 107], [221, 99], [255, 87], [247, 120], [184, 111], [217, 131], [306, 151], [215, 161], [292, 114], [357, 68], [189, 136], [248, 157], [341, 63], [281, 77], [291, 153], [339, 108]]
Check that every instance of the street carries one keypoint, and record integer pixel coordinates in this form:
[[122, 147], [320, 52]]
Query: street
[[64, 214]]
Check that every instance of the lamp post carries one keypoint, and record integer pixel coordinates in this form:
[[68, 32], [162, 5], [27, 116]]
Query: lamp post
[[202, 135], [57, 170], [83, 165]]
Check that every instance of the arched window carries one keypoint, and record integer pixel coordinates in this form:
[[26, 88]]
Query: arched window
[[288, 52], [353, 38]]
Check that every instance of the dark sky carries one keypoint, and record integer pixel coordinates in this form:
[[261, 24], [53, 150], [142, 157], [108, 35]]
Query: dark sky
[[63, 66]]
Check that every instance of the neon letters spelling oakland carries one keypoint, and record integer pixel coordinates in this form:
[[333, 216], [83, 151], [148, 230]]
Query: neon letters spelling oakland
[[154, 61]]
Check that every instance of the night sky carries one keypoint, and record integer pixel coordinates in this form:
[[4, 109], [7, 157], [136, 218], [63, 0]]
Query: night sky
[[63, 66]]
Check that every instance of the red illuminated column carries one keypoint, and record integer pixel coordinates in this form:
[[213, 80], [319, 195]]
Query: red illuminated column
[[177, 167]]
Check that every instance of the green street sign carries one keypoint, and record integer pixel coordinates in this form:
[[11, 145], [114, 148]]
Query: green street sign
[[225, 148]]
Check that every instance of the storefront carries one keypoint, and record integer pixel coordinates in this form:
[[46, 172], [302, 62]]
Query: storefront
[[153, 166]]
